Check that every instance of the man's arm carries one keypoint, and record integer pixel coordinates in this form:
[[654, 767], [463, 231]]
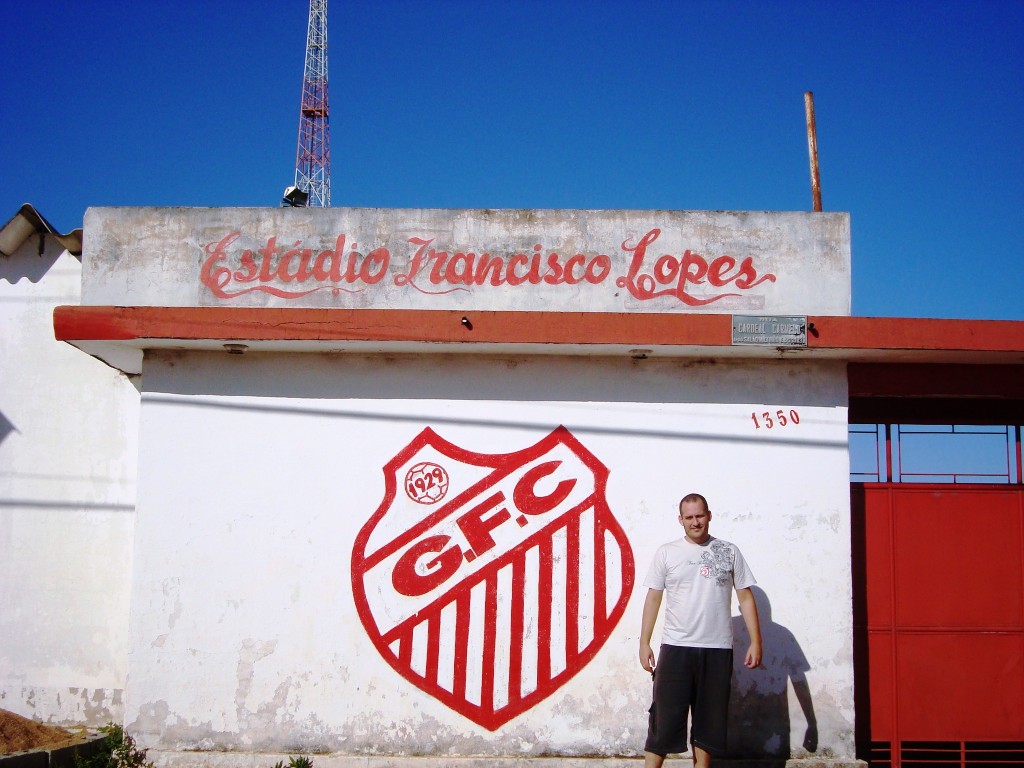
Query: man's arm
[[651, 606], [748, 609]]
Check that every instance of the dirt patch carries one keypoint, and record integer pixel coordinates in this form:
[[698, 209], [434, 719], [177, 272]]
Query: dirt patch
[[18, 734]]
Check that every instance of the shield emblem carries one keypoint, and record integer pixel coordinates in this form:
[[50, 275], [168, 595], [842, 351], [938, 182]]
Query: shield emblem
[[489, 581]]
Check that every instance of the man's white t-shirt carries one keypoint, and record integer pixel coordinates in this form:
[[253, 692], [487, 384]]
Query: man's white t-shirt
[[698, 581]]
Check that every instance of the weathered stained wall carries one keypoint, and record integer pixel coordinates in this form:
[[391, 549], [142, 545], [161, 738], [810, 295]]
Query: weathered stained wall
[[258, 474], [68, 431], [554, 260]]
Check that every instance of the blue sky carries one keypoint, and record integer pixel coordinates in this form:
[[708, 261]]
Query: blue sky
[[468, 103]]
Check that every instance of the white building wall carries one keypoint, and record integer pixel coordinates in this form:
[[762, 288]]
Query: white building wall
[[258, 472], [68, 437]]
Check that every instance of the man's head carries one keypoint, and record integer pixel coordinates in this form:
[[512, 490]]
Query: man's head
[[695, 516]]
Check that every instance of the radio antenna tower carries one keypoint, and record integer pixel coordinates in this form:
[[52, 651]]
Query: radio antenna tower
[[313, 157]]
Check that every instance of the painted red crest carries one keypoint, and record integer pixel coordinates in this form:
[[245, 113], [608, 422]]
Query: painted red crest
[[488, 581]]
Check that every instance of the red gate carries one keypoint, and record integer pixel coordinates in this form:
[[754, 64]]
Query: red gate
[[939, 623]]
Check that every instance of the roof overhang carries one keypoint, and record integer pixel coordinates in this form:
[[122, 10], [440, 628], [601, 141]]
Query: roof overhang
[[120, 335], [28, 222]]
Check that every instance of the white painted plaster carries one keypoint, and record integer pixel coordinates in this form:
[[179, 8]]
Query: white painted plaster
[[258, 471], [68, 432]]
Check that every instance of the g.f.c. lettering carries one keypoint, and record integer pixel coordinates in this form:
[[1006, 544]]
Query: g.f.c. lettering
[[431, 561]]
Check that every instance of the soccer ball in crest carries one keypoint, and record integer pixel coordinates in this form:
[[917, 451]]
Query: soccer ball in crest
[[426, 483]]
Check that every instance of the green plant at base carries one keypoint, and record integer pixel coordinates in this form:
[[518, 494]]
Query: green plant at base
[[118, 750], [295, 762]]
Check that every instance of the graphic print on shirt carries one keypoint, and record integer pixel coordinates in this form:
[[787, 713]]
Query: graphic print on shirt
[[717, 563], [489, 580]]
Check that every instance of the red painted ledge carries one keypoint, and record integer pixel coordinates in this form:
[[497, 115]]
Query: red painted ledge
[[917, 333], [221, 323], [108, 332], [73, 323]]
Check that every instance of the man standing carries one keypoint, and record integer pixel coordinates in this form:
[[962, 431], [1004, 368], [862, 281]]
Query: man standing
[[698, 572]]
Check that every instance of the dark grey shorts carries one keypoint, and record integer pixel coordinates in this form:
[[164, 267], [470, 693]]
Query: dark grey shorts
[[694, 681]]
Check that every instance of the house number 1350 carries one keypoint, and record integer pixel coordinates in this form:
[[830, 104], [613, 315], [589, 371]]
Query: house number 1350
[[769, 420]]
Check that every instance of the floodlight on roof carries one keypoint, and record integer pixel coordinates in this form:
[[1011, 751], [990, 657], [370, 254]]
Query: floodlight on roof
[[294, 198]]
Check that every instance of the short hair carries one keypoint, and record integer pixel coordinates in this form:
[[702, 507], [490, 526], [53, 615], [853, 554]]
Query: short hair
[[692, 497]]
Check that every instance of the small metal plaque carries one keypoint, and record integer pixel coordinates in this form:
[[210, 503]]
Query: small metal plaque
[[770, 330]]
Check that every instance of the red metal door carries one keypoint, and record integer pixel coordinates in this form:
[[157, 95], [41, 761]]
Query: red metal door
[[939, 577]]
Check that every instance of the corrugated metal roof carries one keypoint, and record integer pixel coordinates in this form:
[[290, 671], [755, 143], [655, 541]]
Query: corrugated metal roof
[[28, 222]]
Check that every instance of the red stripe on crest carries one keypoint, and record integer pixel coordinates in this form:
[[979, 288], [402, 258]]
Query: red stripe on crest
[[572, 590], [544, 613], [490, 630], [433, 646], [515, 663], [462, 608], [600, 581]]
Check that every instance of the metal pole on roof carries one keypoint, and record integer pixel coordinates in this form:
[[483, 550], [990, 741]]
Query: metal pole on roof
[[812, 150]]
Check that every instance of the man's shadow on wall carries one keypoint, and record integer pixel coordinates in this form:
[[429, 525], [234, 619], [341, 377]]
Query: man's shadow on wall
[[759, 722]]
